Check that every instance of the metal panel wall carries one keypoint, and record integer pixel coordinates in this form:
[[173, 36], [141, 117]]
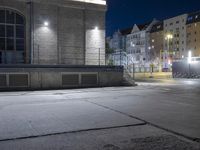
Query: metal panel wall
[[3, 81], [70, 79], [185, 70], [18, 80]]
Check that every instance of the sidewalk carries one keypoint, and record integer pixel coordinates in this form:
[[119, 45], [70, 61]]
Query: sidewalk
[[156, 76]]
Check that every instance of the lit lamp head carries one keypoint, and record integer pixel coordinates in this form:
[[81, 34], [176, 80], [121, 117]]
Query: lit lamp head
[[169, 36], [46, 23], [96, 28], [132, 44], [189, 57]]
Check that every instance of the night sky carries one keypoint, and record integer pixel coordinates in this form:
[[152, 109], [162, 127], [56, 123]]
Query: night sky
[[125, 13]]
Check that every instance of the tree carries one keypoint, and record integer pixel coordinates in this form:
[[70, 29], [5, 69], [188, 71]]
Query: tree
[[108, 49]]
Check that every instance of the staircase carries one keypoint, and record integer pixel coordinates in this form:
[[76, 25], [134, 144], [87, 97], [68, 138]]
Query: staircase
[[127, 79]]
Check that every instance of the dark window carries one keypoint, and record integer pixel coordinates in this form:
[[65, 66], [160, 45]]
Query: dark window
[[2, 16], [10, 44], [10, 17], [0, 57], [19, 31], [2, 30], [19, 19], [10, 31], [20, 44], [2, 44], [12, 37]]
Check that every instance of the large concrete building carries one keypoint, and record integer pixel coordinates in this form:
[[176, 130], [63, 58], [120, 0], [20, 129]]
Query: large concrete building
[[193, 34], [70, 32], [174, 39], [47, 44]]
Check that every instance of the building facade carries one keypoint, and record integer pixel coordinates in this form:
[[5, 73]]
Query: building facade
[[132, 45], [70, 32], [174, 39], [138, 46], [156, 43], [193, 34], [159, 44]]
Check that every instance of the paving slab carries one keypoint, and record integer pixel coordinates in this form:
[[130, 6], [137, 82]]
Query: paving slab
[[32, 119], [127, 138]]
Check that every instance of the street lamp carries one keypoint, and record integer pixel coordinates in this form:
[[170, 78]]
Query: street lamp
[[189, 57], [189, 61], [168, 38]]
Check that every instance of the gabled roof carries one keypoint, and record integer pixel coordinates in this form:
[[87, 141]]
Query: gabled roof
[[129, 30], [144, 26], [157, 27], [126, 31]]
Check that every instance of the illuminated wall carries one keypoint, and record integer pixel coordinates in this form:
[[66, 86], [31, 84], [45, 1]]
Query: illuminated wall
[[101, 2], [63, 32]]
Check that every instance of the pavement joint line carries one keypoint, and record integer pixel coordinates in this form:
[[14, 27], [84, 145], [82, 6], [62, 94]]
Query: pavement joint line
[[149, 123], [70, 132], [32, 93]]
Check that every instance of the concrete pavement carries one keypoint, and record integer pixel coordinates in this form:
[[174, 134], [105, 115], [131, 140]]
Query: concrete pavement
[[164, 114]]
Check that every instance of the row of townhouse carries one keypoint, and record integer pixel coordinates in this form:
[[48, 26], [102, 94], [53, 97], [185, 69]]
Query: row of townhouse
[[159, 43]]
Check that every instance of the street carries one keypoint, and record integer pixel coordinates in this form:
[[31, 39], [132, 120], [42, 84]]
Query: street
[[162, 115]]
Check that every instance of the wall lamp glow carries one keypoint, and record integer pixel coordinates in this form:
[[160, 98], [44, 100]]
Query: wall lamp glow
[[96, 28], [46, 23], [169, 62], [132, 44], [169, 36]]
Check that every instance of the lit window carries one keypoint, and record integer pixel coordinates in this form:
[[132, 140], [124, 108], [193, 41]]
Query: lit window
[[153, 40]]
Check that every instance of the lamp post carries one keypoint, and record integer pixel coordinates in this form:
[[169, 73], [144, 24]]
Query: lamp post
[[168, 38], [189, 62]]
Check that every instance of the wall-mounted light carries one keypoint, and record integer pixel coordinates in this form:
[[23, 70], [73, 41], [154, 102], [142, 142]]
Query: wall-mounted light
[[132, 44], [96, 28], [169, 62], [46, 23]]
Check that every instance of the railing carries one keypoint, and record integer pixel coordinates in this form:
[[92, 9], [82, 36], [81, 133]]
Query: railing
[[121, 58], [68, 55]]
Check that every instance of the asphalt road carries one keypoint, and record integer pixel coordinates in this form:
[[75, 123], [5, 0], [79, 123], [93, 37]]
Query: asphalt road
[[162, 115]]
